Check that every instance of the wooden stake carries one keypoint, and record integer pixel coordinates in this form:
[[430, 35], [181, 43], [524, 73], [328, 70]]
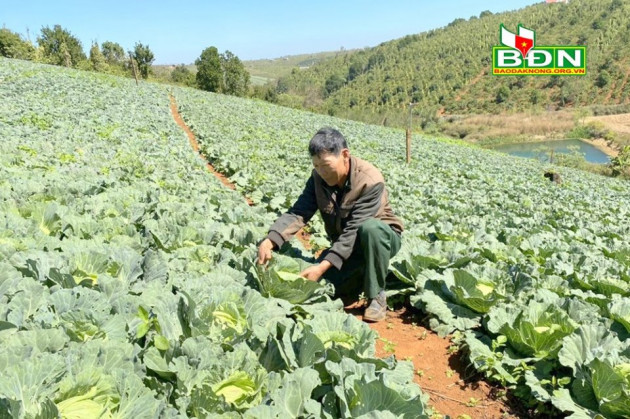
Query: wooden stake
[[408, 146], [408, 133], [133, 67]]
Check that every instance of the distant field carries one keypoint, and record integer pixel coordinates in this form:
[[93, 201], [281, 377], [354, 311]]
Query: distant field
[[266, 70], [166, 69], [259, 80]]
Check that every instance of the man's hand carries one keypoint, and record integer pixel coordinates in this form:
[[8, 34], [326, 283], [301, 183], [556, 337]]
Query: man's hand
[[264, 251], [313, 273]]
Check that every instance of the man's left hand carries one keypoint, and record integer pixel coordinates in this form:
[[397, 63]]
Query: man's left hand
[[315, 272]]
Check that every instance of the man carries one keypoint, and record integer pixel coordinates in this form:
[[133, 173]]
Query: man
[[365, 234]]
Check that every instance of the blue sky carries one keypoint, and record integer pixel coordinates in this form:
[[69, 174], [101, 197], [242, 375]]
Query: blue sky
[[177, 31]]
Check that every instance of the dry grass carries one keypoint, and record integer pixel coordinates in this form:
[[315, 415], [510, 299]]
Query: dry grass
[[518, 126], [617, 123]]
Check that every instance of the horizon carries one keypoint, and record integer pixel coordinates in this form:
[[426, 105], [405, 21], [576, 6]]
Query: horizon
[[249, 30]]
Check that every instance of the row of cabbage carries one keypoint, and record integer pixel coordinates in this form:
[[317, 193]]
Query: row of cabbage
[[127, 287], [533, 277]]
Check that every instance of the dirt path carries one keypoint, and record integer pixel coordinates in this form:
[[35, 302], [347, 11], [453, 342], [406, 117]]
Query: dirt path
[[453, 389], [471, 84], [623, 83], [195, 145], [610, 93], [613, 88], [439, 371]]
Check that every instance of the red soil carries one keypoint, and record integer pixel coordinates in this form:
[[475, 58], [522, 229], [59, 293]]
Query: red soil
[[453, 388]]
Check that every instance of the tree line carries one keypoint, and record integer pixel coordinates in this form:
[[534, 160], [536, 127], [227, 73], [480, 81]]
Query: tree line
[[221, 73]]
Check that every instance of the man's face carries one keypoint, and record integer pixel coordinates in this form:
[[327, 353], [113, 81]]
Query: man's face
[[331, 168]]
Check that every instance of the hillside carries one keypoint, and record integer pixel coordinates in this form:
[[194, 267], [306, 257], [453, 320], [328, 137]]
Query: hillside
[[446, 70]]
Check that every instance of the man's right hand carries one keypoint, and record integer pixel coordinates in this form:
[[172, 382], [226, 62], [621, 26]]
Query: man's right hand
[[264, 251]]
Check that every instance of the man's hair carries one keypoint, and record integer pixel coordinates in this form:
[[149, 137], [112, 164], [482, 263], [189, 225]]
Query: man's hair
[[327, 140]]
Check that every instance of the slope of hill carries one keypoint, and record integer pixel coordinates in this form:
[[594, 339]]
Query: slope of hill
[[446, 70]]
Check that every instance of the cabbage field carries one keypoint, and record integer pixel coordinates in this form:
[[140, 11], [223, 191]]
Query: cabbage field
[[126, 283], [128, 288], [532, 277]]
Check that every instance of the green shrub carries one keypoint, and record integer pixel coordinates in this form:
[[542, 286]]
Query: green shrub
[[620, 165], [594, 129], [13, 46]]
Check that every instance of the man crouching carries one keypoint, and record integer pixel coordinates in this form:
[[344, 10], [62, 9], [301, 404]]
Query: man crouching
[[365, 234]]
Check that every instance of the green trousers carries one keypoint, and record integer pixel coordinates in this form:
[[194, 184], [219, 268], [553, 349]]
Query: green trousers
[[367, 267]]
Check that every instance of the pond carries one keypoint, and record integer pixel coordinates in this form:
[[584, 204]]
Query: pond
[[540, 150]]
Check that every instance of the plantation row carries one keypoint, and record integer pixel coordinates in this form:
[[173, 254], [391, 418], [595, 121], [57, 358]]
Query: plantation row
[[127, 287], [533, 277]]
